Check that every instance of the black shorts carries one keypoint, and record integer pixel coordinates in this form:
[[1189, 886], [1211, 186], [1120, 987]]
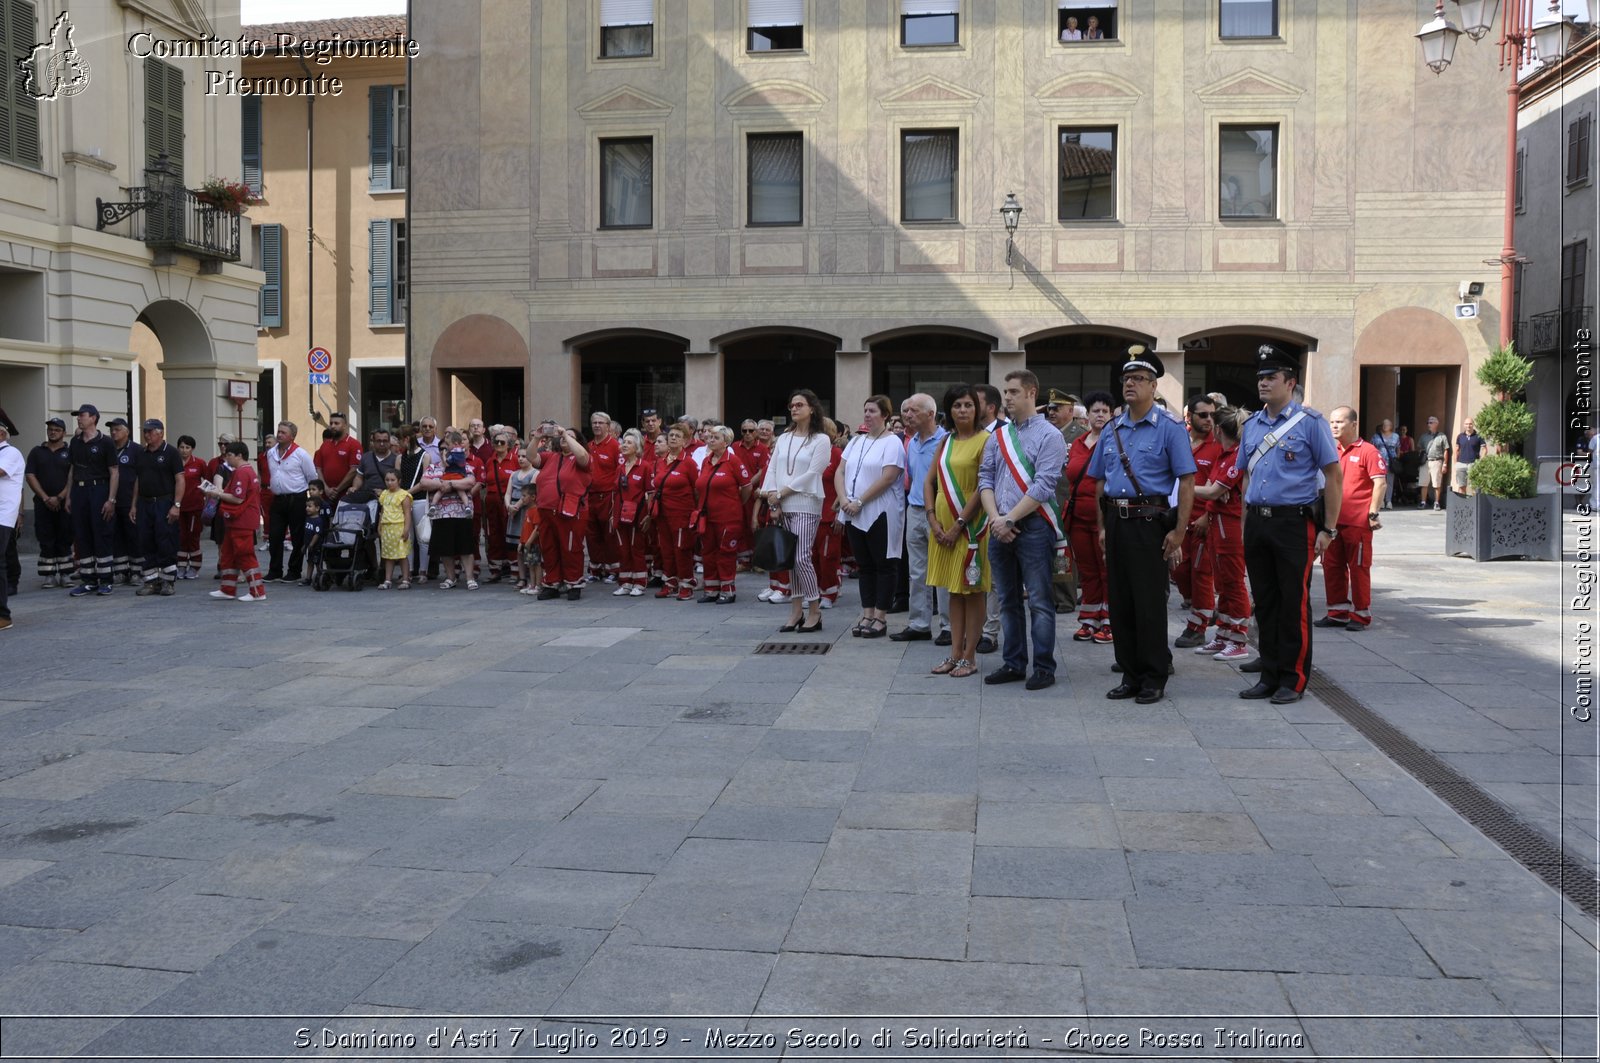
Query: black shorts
[[452, 537]]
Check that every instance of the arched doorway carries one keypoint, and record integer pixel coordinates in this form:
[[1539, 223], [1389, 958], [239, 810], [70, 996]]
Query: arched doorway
[[177, 378], [480, 365], [1224, 359], [1078, 359], [762, 366], [928, 359], [626, 371], [1411, 361]]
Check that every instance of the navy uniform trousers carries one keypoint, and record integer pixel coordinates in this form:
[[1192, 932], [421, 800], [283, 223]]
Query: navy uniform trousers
[[91, 533], [158, 540], [1278, 554]]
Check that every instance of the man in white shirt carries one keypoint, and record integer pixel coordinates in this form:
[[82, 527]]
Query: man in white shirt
[[12, 468], [289, 470], [923, 439]]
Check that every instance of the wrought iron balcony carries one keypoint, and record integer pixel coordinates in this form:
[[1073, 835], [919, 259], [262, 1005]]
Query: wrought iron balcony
[[1555, 329], [171, 217]]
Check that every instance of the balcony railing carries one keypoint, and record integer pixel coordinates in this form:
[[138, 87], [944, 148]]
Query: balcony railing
[[171, 217], [1554, 329]]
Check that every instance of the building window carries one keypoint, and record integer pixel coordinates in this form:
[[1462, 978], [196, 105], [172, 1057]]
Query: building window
[[627, 28], [1246, 19], [1087, 183], [250, 141], [1518, 179], [774, 180], [1077, 20], [1578, 150], [625, 183], [1574, 289], [163, 113], [928, 175], [269, 260], [388, 138], [19, 112], [389, 272], [929, 22], [777, 25], [1248, 171]]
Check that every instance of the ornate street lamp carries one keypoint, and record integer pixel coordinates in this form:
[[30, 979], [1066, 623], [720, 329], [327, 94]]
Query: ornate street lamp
[[1553, 33], [1439, 40], [1011, 212], [1477, 17]]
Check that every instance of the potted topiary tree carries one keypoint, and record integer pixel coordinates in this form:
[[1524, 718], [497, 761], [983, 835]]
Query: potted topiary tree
[[1505, 517]]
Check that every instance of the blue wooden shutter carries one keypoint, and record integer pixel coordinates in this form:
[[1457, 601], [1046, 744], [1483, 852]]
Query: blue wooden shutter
[[380, 305], [380, 138], [272, 266], [250, 140]]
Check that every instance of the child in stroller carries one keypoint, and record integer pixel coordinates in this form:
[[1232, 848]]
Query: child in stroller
[[341, 556]]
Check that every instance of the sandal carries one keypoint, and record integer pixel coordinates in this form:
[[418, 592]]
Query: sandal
[[861, 628], [405, 584], [384, 585], [876, 629], [946, 666], [472, 584], [963, 669], [446, 584]]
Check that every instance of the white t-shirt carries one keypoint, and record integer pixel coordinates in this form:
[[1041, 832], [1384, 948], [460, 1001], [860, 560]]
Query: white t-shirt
[[863, 463], [12, 465]]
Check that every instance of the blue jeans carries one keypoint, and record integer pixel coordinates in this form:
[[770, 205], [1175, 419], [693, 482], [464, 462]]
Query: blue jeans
[[1025, 563]]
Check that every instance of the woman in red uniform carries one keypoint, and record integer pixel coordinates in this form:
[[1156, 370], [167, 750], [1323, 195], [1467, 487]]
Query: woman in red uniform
[[1227, 537], [1083, 527], [241, 510], [724, 489], [825, 551], [189, 509], [562, 494], [675, 503], [630, 515], [498, 470]]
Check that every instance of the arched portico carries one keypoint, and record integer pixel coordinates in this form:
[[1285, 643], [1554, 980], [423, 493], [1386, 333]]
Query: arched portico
[[1411, 361], [182, 380], [480, 369], [625, 371], [1223, 359]]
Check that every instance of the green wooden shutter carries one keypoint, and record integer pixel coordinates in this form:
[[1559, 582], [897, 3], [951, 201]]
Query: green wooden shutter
[[163, 113], [250, 141], [272, 266], [380, 302], [8, 91], [19, 112], [380, 138], [174, 117]]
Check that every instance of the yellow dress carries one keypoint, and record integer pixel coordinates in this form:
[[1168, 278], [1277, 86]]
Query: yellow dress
[[947, 564], [392, 542]]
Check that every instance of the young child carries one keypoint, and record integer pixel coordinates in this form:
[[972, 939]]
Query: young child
[[315, 528], [455, 468], [189, 510], [318, 490], [394, 531], [241, 511], [519, 511]]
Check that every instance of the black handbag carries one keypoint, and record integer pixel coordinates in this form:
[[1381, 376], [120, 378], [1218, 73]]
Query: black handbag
[[776, 548]]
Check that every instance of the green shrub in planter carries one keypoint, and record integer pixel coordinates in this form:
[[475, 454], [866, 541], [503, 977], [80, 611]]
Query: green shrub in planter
[[1504, 373], [1505, 423], [1502, 475]]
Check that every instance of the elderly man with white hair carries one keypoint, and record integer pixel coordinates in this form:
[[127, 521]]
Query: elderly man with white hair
[[12, 466], [923, 436]]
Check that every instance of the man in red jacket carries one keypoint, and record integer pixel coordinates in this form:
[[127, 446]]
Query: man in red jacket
[[1347, 563], [562, 493], [605, 458]]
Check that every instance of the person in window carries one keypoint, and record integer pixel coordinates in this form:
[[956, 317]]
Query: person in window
[[1093, 32], [1071, 32]]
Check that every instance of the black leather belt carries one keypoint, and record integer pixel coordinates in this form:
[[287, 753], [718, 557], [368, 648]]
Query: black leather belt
[[90, 483], [1140, 506], [1303, 512]]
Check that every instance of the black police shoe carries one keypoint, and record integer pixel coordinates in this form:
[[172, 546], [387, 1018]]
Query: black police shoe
[[1327, 621], [1150, 695], [1039, 680], [1122, 692], [1260, 691], [986, 645], [943, 639], [1003, 674]]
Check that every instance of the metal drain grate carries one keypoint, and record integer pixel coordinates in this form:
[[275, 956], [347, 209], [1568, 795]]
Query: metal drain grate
[[794, 648], [1527, 845]]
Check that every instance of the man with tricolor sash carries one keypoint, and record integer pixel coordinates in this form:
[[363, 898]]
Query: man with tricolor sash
[[1142, 453], [1017, 481]]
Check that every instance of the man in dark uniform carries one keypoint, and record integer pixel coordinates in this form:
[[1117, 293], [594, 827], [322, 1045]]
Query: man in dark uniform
[[94, 484], [1284, 447], [49, 477], [158, 498], [1142, 453], [125, 526]]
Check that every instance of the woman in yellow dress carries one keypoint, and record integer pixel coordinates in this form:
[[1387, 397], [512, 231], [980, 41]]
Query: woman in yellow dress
[[958, 556]]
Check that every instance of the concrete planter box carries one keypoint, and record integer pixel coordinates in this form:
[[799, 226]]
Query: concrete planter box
[[1483, 528]]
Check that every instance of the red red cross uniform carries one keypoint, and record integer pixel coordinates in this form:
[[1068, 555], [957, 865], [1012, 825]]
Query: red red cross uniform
[[628, 513], [675, 514], [562, 495], [1347, 563], [1227, 550], [825, 550], [496, 481], [1083, 532], [189, 510], [1194, 575], [722, 517], [605, 459], [239, 534]]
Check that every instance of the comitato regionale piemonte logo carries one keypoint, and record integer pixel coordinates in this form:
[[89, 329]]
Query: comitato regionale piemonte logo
[[54, 68]]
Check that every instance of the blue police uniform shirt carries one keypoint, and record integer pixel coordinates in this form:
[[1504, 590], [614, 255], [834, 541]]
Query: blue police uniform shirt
[[125, 475], [1290, 472], [1158, 450]]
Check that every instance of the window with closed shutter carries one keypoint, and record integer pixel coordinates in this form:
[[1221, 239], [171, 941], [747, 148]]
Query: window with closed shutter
[[776, 165], [627, 28], [163, 113], [269, 245], [19, 112], [250, 141], [380, 142], [380, 308], [1578, 150]]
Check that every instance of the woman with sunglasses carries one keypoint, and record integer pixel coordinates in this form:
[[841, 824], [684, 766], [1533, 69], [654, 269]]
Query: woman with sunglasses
[[630, 515], [497, 473], [792, 490], [674, 515]]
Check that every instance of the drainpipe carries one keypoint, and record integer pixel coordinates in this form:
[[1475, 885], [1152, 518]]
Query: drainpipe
[[311, 264], [411, 245]]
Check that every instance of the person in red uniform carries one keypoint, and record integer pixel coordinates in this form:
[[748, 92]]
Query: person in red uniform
[[1225, 539], [562, 493], [1347, 563], [655, 450], [241, 510], [830, 536], [756, 450], [605, 455], [189, 509], [724, 490], [675, 504], [337, 459], [1083, 527], [630, 514], [495, 477], [1193, 574]]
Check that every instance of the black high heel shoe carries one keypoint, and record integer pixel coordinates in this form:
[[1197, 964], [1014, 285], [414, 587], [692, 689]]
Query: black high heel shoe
[[808, 630], [788, 628]]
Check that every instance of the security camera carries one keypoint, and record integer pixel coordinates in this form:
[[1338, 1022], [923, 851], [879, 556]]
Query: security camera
[[1470, 290]]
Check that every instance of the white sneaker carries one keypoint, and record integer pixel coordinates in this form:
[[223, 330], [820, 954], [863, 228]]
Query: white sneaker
[[248, 600], [620, 592], [220, 595], [826, 604], [781, 598], [242, 595], [1234, 651], [765, 596], [635, 591]]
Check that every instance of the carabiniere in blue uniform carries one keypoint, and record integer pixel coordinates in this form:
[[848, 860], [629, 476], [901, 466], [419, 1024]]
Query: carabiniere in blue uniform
[[1292, 463]]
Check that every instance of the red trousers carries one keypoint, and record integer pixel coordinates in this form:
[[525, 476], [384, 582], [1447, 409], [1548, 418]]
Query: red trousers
[[675, 540], [239, 558], [1194, 579], [1347, 574], [494, 529], [825, 556], [630, 543], [1233, 596], [561, 543], [189, 538], [1092, 605], [602, 549], [719, 555]]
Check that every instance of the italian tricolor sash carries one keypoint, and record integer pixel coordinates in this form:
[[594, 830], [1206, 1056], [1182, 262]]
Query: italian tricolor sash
[[956, 502], [1022, 472]]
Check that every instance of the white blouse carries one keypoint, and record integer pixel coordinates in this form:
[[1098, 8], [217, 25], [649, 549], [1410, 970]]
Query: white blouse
[[797, 463], [863, 463]]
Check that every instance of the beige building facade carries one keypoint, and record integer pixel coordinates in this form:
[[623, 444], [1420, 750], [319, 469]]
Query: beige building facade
[[94, 264], [696, 205]]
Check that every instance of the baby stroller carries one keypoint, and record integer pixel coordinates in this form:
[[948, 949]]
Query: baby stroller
[[342, 557], [1407, 467]]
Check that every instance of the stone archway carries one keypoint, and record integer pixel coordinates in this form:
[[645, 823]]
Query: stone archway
[[1412, 363], [480, 369], [173, 346]]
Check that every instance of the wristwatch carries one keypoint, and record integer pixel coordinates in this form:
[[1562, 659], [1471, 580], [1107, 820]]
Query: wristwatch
[[1372, 516], [1329, 532], [961, 522]]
